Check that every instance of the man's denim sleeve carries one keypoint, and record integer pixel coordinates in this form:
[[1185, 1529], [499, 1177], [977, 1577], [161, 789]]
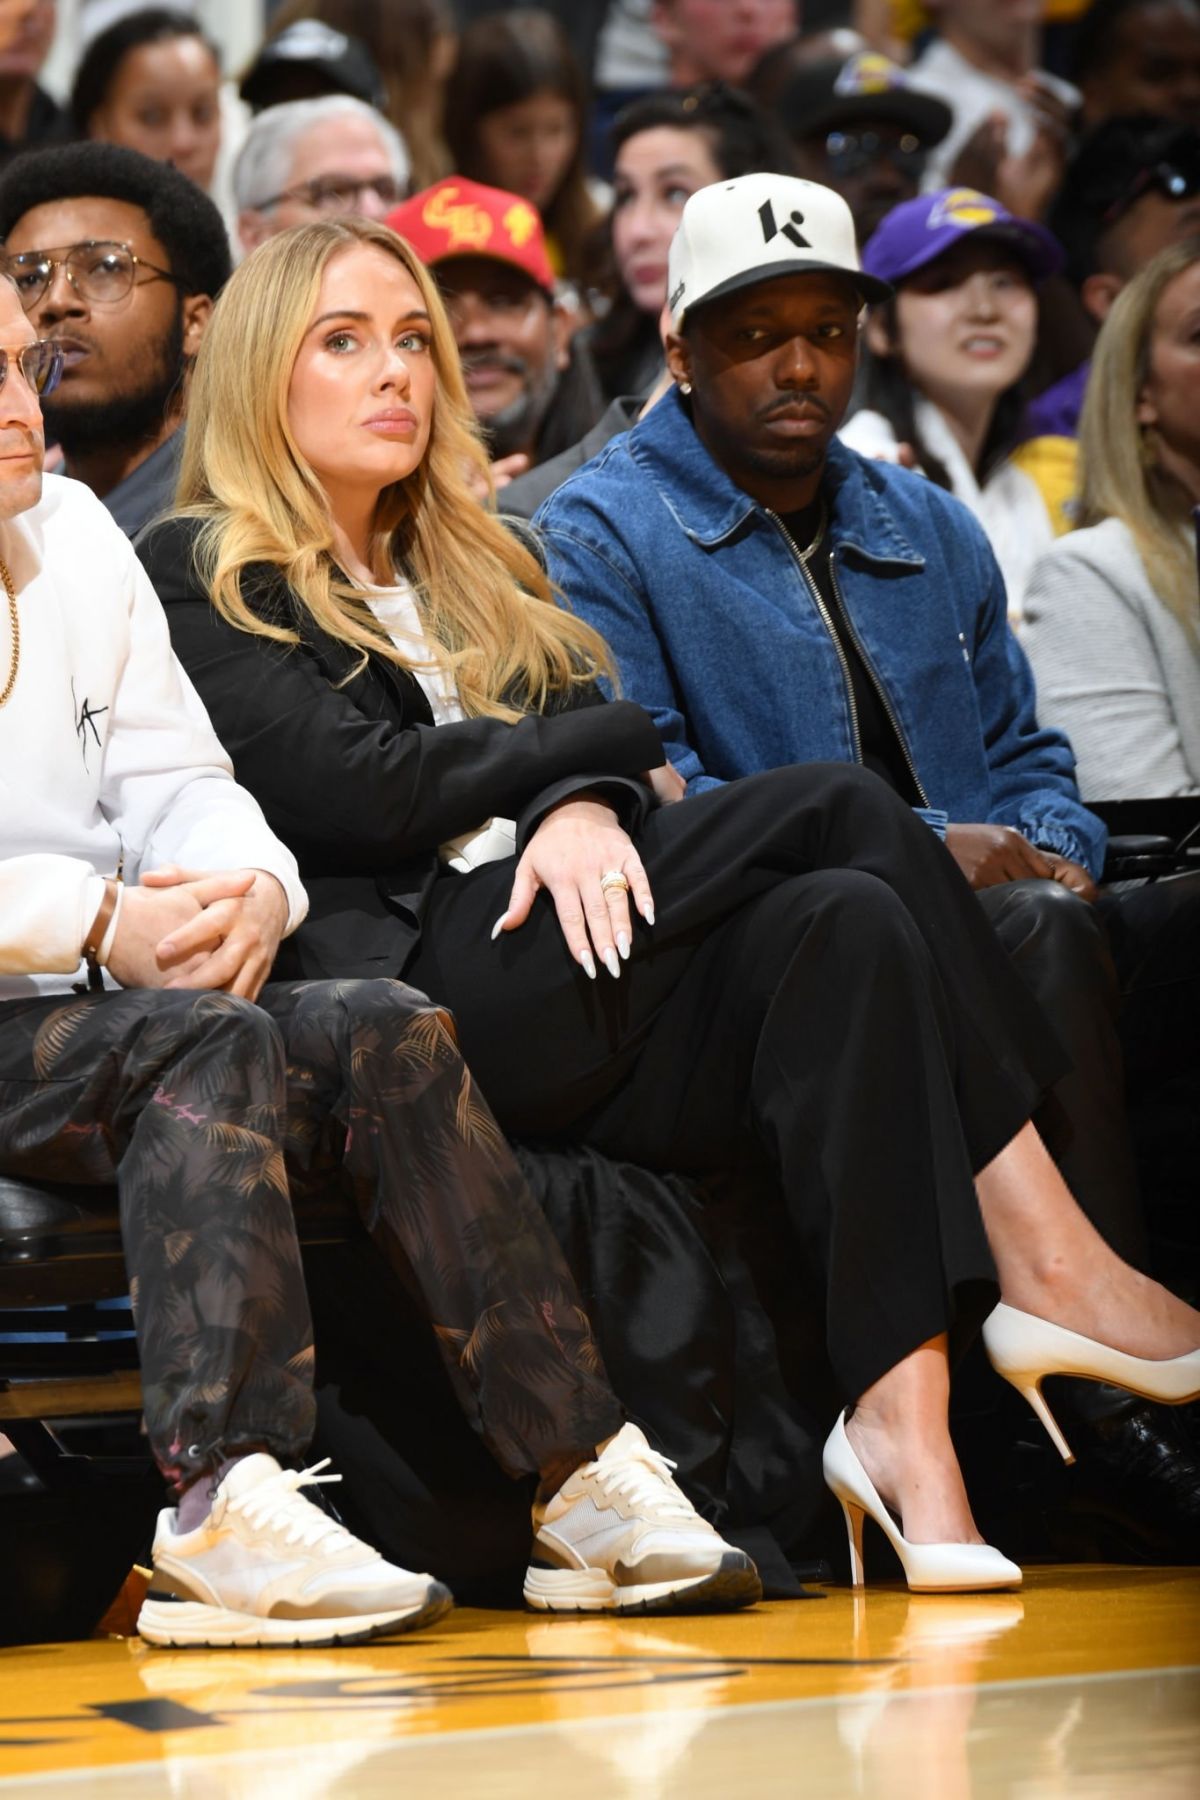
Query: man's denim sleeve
[[597, 578]]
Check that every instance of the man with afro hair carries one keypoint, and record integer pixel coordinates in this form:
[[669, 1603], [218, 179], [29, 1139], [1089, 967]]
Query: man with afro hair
[[119, 259]]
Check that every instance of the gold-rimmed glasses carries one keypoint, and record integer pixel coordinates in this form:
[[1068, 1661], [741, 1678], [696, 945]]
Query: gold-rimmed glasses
[[99, 269], [40, 363]]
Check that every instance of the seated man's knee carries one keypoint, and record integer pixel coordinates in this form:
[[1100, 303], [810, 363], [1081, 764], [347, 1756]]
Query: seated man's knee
[[222, 1028], [338, 1012], [1058, 943], [1044, 913], [249, 1031]]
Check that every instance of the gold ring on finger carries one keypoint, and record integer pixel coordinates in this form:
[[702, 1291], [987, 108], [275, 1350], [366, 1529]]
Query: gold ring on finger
[[615, 882]]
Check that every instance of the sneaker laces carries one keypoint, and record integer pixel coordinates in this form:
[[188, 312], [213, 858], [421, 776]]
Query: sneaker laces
[[643, 1476], [276, 1504]]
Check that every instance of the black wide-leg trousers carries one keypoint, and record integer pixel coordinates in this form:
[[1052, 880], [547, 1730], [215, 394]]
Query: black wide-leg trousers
[[820, 982], [212, 1115]]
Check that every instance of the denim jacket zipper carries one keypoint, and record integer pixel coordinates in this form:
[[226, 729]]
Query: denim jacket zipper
[[815, 591]]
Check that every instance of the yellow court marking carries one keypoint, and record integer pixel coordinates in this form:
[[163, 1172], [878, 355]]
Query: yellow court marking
[[1088, 1674]]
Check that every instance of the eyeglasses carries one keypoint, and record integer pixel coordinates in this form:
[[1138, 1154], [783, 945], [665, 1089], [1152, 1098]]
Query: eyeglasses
[[334, 194], [100, 270], [1176, 177], [40, 364], [850, 152]]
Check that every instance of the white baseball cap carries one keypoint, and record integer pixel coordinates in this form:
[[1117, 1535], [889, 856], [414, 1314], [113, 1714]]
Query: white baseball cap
[[737, 233]]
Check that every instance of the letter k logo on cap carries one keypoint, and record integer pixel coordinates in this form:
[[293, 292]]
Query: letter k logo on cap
[[736, 233], [791, 230]]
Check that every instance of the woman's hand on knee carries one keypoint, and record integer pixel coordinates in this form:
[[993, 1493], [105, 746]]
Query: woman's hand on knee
[[573, 850]]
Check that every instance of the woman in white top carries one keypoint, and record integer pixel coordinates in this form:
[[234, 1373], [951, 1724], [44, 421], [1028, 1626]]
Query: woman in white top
[[1113, 610], [947, 357]]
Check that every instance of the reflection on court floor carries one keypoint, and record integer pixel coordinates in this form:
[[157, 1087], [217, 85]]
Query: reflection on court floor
[[1087, 1683]]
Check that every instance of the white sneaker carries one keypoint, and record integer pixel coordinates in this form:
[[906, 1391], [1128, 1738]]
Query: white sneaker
[[269, 1567], [619, 1536]]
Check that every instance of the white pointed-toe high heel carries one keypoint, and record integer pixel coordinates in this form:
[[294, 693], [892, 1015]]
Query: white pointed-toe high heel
[[928, 1568], [1025, 1349]]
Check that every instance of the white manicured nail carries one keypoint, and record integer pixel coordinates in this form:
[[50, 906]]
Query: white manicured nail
[[612, 965], [588, 965], [648, 912], [623, 945], [498, 927]]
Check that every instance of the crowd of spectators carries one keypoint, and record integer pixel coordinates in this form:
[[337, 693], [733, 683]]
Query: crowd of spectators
[[670, 516]]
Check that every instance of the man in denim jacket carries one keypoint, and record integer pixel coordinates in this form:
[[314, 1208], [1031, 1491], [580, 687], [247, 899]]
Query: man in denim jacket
[[772, 597]]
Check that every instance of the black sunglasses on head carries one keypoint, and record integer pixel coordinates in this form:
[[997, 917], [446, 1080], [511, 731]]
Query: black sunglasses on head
[[1176, 177]]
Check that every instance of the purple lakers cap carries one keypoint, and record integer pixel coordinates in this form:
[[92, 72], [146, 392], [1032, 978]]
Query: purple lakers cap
[[921, 230]]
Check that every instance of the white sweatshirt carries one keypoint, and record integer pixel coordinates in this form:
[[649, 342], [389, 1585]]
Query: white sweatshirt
[[105, 747]]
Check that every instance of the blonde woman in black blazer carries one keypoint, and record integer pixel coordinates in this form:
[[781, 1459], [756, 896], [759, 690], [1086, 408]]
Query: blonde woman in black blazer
[[788, 967]]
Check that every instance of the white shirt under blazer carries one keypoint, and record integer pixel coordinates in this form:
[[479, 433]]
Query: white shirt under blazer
[[106, 752]]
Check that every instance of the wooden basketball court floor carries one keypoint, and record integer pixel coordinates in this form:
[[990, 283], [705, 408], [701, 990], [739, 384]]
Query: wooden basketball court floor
[[1085, 1684]]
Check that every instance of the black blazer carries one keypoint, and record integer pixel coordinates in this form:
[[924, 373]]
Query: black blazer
[[356, 778]]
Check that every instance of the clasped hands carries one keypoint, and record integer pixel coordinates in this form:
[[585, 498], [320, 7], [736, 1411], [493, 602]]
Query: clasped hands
[[992, 855], [184, 928], [574, 847]]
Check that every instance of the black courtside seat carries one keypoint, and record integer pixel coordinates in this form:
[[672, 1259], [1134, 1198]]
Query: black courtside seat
[[60, 1247]]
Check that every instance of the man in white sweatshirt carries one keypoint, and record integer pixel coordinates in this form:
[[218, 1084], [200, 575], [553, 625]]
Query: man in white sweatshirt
[[142, 899], [136, 877]]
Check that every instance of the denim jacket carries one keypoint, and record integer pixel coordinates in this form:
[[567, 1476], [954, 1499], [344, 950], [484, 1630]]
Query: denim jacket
[[717, 632]]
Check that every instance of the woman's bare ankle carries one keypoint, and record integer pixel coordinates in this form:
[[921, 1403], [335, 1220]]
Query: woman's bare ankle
[[915, 1472], [1112, 1303]]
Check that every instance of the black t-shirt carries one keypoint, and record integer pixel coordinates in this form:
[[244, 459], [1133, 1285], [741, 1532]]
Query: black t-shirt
[[881, 748]]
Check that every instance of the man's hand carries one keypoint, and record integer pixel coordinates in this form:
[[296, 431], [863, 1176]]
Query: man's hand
[[990, 855], [1025, 184], [231, 942], [149, 916], [504, 470], [1072, 875], [507, 468], [1028, 183], [575, 845]]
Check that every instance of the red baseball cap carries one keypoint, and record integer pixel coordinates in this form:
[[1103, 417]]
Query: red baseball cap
[[457, 217]]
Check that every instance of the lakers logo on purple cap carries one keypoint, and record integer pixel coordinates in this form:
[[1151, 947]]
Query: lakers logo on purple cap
[[917, 232], [965, 208]]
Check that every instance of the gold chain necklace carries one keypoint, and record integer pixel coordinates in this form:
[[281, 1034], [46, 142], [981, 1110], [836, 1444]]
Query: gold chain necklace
[[812, 548], [14, 619]]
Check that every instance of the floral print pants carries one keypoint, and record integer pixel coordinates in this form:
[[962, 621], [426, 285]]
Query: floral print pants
[[211, 1115]]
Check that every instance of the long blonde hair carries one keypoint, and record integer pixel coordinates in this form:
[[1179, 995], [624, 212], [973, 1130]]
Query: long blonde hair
[[485, 601], [1121, 473]]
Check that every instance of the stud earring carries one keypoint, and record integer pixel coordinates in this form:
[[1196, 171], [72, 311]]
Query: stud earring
[[685, 387]]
